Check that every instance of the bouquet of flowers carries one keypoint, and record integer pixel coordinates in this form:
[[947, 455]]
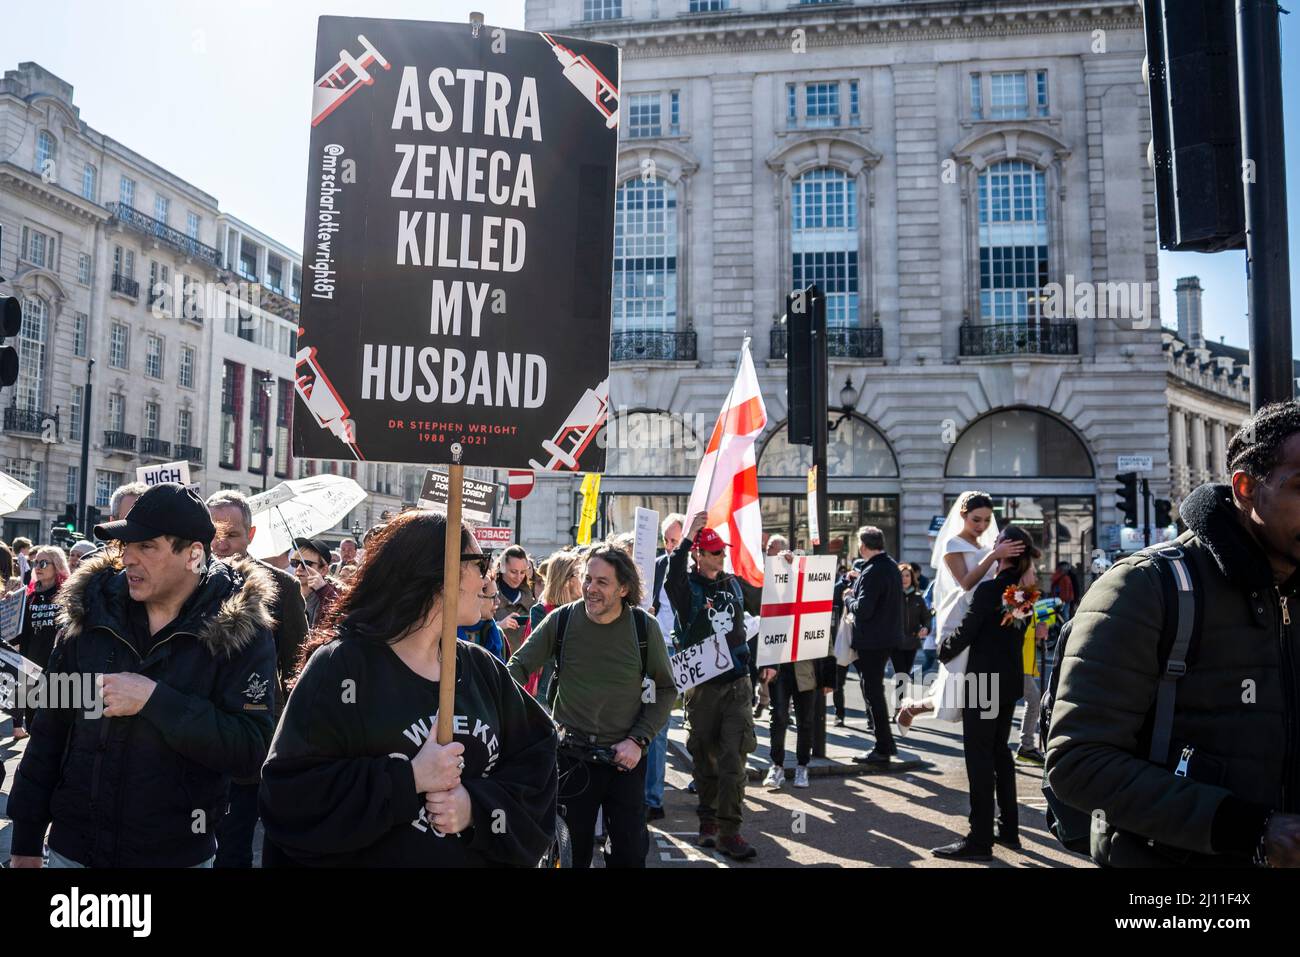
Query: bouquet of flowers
[[1018, 604]]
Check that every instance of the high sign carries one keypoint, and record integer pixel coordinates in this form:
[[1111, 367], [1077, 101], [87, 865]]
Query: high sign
[[178, 472], [458, 246], [478, 499]]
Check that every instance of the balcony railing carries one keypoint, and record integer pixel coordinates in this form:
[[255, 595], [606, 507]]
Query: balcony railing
[[189, 453], [1014, 339], [651, 345], [851, 342], [156, 447], [126, 286], [156, 229], [28, 421], [119, 441]]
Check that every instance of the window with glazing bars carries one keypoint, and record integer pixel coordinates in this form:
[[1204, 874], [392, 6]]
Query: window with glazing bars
[[602, 9], [645, 256], [643, 114], [1013, 246], [824, 240], [822, 104], [1009, 96]]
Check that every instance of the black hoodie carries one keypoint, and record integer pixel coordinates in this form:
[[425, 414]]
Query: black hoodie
[[338, 788], [148, 790]]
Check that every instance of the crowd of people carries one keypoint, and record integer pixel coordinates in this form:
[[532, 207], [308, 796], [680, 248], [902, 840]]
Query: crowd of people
[[304, 690]]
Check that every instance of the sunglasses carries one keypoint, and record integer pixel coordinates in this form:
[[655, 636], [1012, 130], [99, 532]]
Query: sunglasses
[[44, 563], [303, 563], [479, 559]]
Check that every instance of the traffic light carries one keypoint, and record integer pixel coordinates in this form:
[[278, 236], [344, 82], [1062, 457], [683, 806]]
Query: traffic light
[[11, 322], [1127, 498], [69, 518], [1191, 76], [805, 311], [93, 518], [1164, 512]]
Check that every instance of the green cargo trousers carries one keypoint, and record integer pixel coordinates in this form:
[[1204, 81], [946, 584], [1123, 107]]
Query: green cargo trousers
[[720, 726]]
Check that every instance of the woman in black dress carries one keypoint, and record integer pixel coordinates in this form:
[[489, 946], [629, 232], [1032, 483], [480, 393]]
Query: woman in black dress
[[355, 777], [993, 684]]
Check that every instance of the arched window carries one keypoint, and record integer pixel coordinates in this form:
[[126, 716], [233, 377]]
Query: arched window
[[89, 180], [47, 150], [855, 449], [824, 240], [1012, 241], [32, 336], [645, 256], [1019, 443], [652, 442]]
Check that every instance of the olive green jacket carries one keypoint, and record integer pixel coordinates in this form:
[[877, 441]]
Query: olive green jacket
[[1236, 705]]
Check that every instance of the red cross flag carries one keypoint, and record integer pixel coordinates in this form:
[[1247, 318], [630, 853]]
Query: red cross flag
[[796, 617], [727, 484]]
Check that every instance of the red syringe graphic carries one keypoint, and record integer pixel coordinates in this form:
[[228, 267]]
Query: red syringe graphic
[[343, 79], [590, 82], [579, 428], [323, 400]]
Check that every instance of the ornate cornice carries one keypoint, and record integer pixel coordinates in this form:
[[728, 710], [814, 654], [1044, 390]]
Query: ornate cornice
[[816, 149], [1010, 141], [53, 196], [733, 32]]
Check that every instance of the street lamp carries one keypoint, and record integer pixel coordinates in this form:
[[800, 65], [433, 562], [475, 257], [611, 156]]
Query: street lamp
[[268, 387], [848, 402]]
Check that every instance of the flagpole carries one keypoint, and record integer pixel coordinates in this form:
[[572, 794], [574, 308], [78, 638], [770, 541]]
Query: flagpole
[[726, 412]]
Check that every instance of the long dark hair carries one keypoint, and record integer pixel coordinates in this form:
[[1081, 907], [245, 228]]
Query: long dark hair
[[1017, 534], [395, 587]]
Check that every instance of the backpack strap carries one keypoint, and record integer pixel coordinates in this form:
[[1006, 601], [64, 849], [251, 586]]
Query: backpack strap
[[642, 638], [1180, 625], [561, 626]]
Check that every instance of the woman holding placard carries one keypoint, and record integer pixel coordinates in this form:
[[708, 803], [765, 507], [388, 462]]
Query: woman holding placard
[[355, 776]]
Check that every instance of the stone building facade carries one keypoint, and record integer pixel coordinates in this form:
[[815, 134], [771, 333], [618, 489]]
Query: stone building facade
[[935, 168], [184, 310]]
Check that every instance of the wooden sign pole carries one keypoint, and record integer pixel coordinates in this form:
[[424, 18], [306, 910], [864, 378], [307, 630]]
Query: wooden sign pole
[[450, 598]]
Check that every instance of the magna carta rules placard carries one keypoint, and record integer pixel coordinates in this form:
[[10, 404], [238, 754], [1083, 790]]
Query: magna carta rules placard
[[458, 250]]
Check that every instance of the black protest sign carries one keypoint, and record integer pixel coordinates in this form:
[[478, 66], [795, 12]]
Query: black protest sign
[[458, 250], [477, 502]]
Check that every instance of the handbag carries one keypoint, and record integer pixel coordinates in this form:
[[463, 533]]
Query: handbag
[[844, 653]]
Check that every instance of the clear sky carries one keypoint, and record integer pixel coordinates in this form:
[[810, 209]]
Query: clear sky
[[220, 93]]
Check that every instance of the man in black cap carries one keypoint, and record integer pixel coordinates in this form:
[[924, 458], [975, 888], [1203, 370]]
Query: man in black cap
[[235, 532], [134, 772], [310, 562]]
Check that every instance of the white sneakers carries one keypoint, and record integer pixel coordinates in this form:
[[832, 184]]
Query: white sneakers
[[776, 777], [801, 777]]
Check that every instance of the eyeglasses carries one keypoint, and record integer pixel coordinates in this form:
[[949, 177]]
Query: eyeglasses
[[478, 558], [44, 563], [303, 563]]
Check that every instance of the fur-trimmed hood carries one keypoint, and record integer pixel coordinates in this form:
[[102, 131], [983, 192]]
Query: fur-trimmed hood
[[1211, 514], [226, 613]]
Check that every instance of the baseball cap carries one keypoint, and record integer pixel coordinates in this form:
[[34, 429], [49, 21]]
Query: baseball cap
[[317, 545], [164, 509], [709, 541]]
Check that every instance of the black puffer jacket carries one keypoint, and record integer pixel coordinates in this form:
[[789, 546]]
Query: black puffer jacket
[[148, 790], [1236, 706]]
